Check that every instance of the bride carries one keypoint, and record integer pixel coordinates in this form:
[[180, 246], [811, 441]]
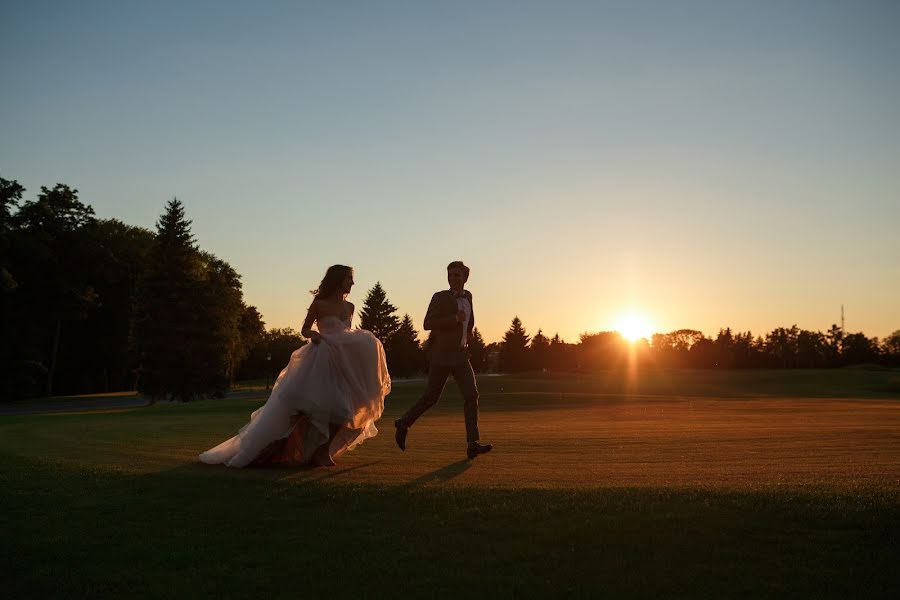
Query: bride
[[327, 398]]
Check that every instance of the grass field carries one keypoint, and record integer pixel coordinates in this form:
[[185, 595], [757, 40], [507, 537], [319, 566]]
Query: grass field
[[700, 484]]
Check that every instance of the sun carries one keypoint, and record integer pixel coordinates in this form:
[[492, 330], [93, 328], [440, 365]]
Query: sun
[[633, 327]]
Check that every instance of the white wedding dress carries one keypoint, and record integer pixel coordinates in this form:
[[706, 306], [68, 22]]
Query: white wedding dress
[[341, 381]]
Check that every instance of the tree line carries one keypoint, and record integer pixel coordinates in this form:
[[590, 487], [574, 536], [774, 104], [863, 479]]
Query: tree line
[[95, 305], [781, 348]]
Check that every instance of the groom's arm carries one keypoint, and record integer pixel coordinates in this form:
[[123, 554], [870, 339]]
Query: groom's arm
[[433, 321]]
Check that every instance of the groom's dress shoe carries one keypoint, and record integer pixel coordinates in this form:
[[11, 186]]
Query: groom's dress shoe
[[400, 434], [476, 449]]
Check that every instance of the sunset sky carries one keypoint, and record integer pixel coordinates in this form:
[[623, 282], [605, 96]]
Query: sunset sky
[[700, 164]]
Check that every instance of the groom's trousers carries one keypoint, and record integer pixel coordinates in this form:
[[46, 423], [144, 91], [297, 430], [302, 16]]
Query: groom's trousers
[[437, 379]]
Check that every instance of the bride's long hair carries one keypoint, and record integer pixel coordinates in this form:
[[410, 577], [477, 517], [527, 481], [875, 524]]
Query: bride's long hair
[[333, 279]]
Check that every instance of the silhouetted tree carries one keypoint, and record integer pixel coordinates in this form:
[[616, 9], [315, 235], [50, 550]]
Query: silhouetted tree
[[97, 355], [378, 315], [858, 349], [170, 336], [10, 196], [891, 348], [559, 354], [403, 349], [703, 354], [221, 308], [834, 340], [747, 352], [601, 350], [51, 243], [270, 354], [781, 344], [252, 334], [539, 351], [15, 377], [514, 348], [812, 349], [492, 357], [724, 349], [477, 352]]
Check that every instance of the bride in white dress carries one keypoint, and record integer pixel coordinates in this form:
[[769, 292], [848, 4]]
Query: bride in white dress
[[327, 398]]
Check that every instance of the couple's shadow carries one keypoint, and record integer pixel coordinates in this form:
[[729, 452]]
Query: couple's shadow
[[441, 475]]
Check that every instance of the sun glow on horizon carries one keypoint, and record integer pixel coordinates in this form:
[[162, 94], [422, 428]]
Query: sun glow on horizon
[[633, 326]]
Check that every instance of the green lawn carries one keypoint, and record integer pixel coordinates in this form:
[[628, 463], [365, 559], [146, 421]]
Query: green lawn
[[723, 486]]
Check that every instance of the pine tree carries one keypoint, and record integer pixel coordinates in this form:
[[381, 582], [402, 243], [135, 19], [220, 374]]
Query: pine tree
[[558, 354], [478, 352], [377, 314], [514, 348], [404, 354], [539, 350], [169, 331]]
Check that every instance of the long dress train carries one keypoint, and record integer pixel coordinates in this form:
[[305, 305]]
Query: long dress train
[[340, 382]]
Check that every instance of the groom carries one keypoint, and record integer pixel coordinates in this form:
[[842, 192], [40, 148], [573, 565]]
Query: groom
[[450, 319]]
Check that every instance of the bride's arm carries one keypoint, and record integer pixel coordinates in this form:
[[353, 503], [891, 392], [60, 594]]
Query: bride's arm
[[307, 331]]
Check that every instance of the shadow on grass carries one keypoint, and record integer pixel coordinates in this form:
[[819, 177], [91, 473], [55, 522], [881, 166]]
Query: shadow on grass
[[270, 473], [442, 475], [310, 473]]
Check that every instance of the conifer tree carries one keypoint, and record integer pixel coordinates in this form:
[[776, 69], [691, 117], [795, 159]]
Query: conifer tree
[[514, 348], [539, 350], [404, 353], [477, 352], [378, 315], [169, 332]]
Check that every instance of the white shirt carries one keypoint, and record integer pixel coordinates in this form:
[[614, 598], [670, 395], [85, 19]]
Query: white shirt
[[462, 303]]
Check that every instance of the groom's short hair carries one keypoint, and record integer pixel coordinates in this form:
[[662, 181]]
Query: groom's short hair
[[458, 264]]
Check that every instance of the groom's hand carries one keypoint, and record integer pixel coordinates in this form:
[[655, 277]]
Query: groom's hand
[[314, 337]]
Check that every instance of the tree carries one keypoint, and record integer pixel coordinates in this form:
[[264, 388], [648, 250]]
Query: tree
[[51, 242], [891, 348], [171, 341], [97, 355], [540, 350], [377, 314], [270, 354], [221, 308], [559, 355], [404, 353], [477, 352], [811, 349], [514, 348], [10, 196], [601, 350], [252, 333], [834, 339], [858, 349], [724, 349], [781, 345]]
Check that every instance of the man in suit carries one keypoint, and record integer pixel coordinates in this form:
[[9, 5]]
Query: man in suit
[[450, 319]]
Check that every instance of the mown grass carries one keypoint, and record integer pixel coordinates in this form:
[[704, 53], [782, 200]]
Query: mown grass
[[586, 494]]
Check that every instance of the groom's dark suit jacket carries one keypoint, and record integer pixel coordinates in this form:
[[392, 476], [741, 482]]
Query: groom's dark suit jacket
[[443, 346]]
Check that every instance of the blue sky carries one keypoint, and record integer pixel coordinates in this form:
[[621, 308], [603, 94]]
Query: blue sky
[[705, 164]]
